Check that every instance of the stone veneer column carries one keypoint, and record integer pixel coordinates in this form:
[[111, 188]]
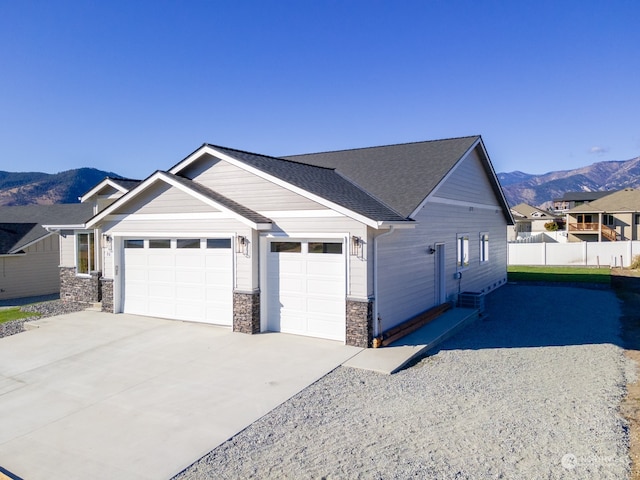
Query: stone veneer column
[[75, 288], [106, 285], [246, 312], [359, 323]]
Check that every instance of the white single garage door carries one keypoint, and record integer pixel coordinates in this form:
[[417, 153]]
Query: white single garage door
[[183, 279], [306, 288]]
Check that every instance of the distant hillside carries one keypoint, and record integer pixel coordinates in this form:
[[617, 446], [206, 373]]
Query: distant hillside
[[34, 188], [540, 190]]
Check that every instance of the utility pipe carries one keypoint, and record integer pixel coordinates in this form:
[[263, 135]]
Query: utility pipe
[[376, 321]]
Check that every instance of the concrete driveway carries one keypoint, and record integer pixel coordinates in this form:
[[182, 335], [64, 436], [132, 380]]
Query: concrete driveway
[[101, 396]]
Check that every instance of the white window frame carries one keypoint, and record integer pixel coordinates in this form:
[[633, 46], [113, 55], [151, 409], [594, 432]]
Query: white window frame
[[462, 251], [484, 247], [91, 259]]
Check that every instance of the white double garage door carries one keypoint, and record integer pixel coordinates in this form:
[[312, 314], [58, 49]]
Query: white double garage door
[[192, 279]]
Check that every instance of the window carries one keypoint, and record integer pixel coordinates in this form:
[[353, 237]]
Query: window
[[325, 247], [218, 243], [484, 247], [134, 244], [608, 220], [463, 251], [585, 218], [188, 243], [160, 243], [637, 218], [85, 253], [286, 247]]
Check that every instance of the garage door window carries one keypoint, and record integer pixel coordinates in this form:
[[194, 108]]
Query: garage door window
[[160, 243], [286, 247], [325, 247], [218, 243], [188, 243], [134, 244]]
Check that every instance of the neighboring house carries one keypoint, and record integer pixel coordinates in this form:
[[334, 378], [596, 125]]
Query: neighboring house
[[608, 219], [530, 220], [574, 199], [29, 254], [339, 245]]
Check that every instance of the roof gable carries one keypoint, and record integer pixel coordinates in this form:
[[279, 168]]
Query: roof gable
[[200, 192], [111, 186]]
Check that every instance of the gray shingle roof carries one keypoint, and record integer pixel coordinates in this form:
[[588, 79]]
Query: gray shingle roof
[[627, 200], [401, 176], [127, 183], [220, 199], [20, 226], [527, 211], [319, 180], [581, 196]]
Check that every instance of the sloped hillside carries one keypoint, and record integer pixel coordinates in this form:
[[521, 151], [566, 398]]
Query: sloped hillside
[[540, 190], [35, 188]]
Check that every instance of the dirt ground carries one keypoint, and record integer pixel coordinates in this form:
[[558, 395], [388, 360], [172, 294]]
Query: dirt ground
[[627, 286]]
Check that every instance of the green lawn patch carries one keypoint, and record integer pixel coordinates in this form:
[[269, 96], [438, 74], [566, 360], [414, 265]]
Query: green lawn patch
[[15, 314], [558, 274]]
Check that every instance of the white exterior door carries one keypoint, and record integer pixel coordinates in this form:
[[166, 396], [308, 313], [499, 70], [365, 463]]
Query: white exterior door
[[306, 288], [182, 279]]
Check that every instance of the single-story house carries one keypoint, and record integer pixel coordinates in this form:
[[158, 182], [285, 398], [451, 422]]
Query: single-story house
[[340, 245], [29, 254], [529, 220], [610, 218]]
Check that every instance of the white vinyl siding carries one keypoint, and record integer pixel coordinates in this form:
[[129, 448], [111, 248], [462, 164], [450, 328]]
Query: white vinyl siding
[[407, 282], [164, 198], [35, 273], [67, 241], [468, 183], [246, 188]]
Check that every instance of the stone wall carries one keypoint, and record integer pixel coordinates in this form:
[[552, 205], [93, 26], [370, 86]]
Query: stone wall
[[79, 289], [359, 323], [106, 288], [246, 312]]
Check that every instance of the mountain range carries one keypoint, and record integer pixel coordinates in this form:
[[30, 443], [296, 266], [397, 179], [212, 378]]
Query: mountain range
[[34, 188], [540, 190]]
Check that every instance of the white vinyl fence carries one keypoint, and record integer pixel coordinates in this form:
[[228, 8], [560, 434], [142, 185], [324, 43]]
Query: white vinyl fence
[[609, 254]]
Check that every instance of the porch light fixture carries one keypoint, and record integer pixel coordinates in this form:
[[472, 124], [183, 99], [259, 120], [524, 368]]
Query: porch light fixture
[[356, 246], [431, 250], [242, 244]]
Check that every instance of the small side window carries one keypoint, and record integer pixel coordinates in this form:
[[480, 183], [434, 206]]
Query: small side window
[[462, 251], [134, 244], [160, 243], [188, 243], [286, 247], [218, 243]]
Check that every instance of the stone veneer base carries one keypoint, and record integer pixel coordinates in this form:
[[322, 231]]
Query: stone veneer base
[[106, 285], [359, 323], [246, 312], [76, 288]]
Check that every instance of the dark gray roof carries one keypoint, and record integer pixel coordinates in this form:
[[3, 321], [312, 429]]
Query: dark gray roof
[[582, 196], [20, 226], [321, 181], [401, 176], [127, 183], [221, 199]]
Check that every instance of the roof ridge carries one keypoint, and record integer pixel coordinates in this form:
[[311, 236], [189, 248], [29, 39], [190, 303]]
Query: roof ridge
[[281, 159], [380, 146]]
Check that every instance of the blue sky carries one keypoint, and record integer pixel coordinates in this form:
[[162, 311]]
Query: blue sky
[[135, 86]]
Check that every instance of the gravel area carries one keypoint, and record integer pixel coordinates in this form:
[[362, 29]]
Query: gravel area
[[44, 309], [532, 391]]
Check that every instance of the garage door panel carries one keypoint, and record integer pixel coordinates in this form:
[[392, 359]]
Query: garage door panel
[[306, 293], [184, 284]]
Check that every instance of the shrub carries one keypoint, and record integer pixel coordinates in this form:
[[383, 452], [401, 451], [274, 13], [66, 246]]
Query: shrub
[[551, 226], [635, 262]]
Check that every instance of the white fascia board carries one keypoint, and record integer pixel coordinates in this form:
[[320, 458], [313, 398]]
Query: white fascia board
[[27, 245], [161, 176], [275, 180], [12, 255], [57, 228], [100, 186], [397, 225]]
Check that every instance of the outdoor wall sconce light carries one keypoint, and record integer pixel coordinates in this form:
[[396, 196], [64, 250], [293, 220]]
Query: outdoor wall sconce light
[[242, 244], [431, 250], [356, 246]]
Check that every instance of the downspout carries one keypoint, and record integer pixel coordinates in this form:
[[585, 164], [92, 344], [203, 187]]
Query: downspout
[[376, 320]]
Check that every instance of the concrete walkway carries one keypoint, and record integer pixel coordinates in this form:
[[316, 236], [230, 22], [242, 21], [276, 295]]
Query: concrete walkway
[[101, 396], [394, 357]]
